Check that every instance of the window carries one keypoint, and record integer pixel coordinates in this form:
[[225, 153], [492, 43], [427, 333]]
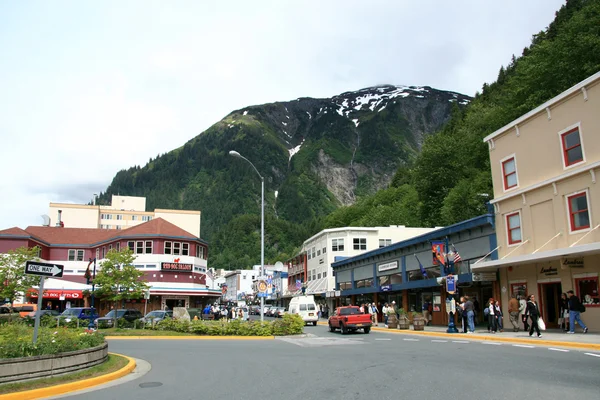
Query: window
[[337, 245], [384, 242], [76, 255], [579, 216], [176, 248], [109, 247], [168, 247], [185, 249], [513, 228], [345, 285], [105, 216], [587, 290], [313, 252], [118, 246], [119, 217], [97, 253], [509, 173], [148, 247], [131, 246], [318, 276], [103, 251], [572, 148], [199, 251], [118, 227], [360, 243], [308, 254], [146, 218], [325, 274], [134, 217], [318, 252], [324, 250]]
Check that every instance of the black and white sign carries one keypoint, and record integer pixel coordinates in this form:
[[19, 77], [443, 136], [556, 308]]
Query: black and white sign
[[388, 266], [43, 269]]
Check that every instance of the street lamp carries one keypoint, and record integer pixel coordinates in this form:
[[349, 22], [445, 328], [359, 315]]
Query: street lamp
[[262, 226]]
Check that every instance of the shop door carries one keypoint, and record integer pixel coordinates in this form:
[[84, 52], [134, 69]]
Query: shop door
[[171, 303], [549, 303], [439, 316]]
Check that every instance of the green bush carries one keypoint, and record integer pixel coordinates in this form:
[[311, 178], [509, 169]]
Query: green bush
[[16, 341], [290, 324]]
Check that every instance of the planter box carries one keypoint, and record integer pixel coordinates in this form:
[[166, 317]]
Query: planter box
[[19, 369], [419, 324], [403, 323], [392, 321]]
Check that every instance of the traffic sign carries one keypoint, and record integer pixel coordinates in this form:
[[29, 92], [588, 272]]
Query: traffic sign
[[43, 269]]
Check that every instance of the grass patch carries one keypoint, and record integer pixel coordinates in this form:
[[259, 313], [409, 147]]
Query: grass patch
[[114, 363], [139, 332]]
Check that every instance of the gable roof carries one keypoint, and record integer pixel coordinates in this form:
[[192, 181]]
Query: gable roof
[[56, 236]]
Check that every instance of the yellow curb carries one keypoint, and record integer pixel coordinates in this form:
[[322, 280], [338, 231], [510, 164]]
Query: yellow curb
[[71, 386], [190, 337]]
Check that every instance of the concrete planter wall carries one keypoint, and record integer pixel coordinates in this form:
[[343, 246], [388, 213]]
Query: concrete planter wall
[[19, 369]]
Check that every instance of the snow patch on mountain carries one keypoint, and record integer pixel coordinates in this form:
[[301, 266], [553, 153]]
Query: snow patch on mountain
[[295, 150]]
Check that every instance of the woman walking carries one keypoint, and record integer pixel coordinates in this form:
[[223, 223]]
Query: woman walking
[[498, 311], [492, 316], [533, 312], [564, 312]]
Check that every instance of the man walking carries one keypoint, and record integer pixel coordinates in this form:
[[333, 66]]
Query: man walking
[[470, 314], [575, 308], [513, 312], [374, 312]]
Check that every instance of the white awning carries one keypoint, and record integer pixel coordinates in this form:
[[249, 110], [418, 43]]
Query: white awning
[[317, 286], [576, 251], [53, 283]]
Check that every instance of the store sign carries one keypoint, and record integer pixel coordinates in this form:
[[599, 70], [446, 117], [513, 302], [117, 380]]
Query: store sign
[[548, 271], [572, 262], [388, 266], [179, 267], [484, 277], [60, 294], [386, 288]]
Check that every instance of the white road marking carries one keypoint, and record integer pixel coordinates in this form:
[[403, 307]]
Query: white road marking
[[411, 340], [439, 341], [592, 354], [494, 343], [383, 339], [460, 341], [563, 350], [524, 345]]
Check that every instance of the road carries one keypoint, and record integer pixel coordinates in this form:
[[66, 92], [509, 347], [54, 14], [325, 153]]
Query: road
[[357, 366]]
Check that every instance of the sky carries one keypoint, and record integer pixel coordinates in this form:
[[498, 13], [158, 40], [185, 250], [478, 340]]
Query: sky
[[91, 88]]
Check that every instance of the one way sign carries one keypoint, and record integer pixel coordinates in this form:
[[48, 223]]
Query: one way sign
[[43, 269]]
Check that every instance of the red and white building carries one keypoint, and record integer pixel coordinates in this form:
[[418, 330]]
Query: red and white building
[[173, 260]]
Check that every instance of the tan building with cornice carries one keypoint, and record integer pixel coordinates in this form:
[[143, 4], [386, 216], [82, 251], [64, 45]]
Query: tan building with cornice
[[547, 203]]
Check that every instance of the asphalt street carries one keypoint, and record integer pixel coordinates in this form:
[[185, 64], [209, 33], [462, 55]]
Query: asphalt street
[[357, 366]]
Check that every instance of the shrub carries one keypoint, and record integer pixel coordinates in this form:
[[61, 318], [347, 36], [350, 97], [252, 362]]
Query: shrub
[[290, 324]]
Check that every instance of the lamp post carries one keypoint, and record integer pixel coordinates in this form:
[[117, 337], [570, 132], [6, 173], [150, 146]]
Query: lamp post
[[262, 225], [93, 278]]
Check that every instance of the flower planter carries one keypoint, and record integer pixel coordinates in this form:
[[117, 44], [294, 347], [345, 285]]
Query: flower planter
[[403, 323], [419, 324], [392, 321]]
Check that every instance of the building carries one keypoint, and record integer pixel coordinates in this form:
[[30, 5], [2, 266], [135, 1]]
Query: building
[[124, 212], [547, 202], [395, 272], [174, 261], [312, 267], [240, 284]]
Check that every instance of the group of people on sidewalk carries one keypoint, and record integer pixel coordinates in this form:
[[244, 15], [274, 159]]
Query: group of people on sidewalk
[[525, 310]]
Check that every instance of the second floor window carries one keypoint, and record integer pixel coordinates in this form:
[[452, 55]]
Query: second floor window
[[360, 243], [131, 246], [571, 147], [337, 245], [579, 216], [139, 247], [148, 247], [384, 242], [513, 228], [168, 248], [509, 173]]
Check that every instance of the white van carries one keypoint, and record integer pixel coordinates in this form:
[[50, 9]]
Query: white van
[[306, 307]]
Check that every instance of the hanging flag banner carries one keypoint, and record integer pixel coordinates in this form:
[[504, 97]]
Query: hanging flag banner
[[438, 252]]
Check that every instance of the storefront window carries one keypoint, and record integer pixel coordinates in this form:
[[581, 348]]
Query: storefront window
[[587, 290], [519, 289], [363, 283], [345, 285], [393, 279]]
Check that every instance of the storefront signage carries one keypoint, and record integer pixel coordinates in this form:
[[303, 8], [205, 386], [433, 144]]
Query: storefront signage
[[338, 293], [386, 288], [60, 294], [572, 262], [548, 271], [171, 266], [484, 277], [450, 284], [388, 266]]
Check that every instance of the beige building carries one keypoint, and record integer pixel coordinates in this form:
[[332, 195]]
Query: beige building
[[547, 203], [124, 212]]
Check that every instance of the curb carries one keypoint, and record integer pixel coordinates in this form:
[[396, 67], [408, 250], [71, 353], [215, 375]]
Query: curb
[[72, 386], [189, 338]]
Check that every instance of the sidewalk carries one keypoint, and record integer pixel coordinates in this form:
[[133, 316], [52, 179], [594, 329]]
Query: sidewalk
[[551, 337]]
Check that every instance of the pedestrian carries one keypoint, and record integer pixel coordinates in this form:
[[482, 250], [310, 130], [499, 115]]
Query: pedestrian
[[491, 314], [563, 320], [49, 305], [513, 312], [475, 308], [499, 315], [374, 312], [426, 312], [241, 314], [575, 309], [385, 314], [469, 309], [523, 311], [462, 315], [533, 312]]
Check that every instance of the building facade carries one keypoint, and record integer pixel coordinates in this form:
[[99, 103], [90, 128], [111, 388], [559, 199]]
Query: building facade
[[547, 202], [240, 284], [174, 262], [124, 212], [407, 272]]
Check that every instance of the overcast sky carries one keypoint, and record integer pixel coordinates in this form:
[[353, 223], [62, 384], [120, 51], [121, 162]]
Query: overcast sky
[[90, 88]]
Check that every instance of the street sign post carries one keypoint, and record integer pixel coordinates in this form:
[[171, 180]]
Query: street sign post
[[42, 270]]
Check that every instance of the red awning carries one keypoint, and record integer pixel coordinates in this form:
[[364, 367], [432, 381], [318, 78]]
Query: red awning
[[58, 294]]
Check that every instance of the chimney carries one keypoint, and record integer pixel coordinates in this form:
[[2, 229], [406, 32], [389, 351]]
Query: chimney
[[59, 223]]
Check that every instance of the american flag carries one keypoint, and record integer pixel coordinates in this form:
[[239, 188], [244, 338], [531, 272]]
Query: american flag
[[457, 257], [209, 274]]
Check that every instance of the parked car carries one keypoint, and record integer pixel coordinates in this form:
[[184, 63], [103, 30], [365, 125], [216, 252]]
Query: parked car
[[349, 319], [279, 312], [78, 313], [24, 309], [52, 313], [306, 307], [254, 310], [154, 317], [129, 315]]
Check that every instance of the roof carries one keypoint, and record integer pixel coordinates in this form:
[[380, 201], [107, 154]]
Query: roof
[[486, 219], [543, 107], [59, 236]]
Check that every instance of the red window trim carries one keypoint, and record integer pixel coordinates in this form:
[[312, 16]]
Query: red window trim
[[578, 293], [509, 229], [565, 149], [505, 175], [571, 214]]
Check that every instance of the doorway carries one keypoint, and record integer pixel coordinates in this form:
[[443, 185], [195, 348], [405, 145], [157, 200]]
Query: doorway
[[171, 303], [549, 302]]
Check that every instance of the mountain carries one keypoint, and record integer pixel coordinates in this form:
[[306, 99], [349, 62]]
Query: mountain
[[315, 155]]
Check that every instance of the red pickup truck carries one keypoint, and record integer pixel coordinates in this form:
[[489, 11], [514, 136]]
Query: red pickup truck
[[349, 319]]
